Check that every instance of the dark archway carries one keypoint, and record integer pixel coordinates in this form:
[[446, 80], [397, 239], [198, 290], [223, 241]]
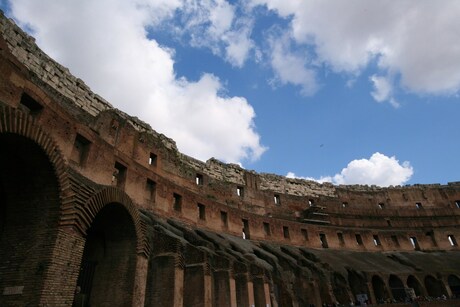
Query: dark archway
[[357, 284], [339, 287], [379, 289], [434, 287], [413, 283], [109, 259], [454, 284], [29, 205], [397, 288]]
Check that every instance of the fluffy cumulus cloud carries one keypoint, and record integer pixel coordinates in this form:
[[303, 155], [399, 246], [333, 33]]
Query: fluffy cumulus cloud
[[106, 43], [417, 41], [291, 67], [379, 170]]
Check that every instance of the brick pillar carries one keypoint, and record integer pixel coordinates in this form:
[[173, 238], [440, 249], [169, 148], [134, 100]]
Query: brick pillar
[[221, 274], [197, 278], [244, 293], [316, 299], [232, 291], [251, 298], [61, 276], [140, 281], [371, 292], [165, 281], [261, 287]]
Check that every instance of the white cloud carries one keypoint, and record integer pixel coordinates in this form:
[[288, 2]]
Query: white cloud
[[417, 39], [213, 24], [105, 43], [291, 67], [383, 90], [379, 170]]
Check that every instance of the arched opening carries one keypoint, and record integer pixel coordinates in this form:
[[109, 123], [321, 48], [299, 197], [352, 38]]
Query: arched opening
[[397, 288], [358, 286], [454, 284], [109, 260], [29, 209], [413, 283], [434, 287], [379, 289], [339, 286]]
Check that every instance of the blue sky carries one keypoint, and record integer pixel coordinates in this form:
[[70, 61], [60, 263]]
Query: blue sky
[[344, 91]]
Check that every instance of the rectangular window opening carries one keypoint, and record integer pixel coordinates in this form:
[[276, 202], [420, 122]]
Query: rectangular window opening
[[359, 239], [177, 202], [80, 149], [286, 232], [151, 189], [119, 175], [240, 191], [344, 204], [30, 105], [323, 239], [311, 202], [267, 230], [381, 205], [224, 219], [341, 239], [246, 234], [153, 159], [277, 199], [199, 179], [376, 240], [395, 240], [418, 206], [430, 235], [304, 234], [414, 242], [452, 240], [457, 203], [201, 212]]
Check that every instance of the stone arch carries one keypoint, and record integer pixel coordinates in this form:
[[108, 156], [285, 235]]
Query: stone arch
[[414, 283], [397, 287], [380, 291], [454, 284], [33, 187], [358, 284], [340, 289], [13, 121], [110, 195], [115, 237], [434, 287]]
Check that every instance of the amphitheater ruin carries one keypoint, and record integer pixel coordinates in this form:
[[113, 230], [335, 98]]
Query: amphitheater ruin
[[98, 209]]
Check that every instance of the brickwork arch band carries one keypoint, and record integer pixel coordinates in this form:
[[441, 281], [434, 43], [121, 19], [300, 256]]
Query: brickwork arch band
[[110, 195], [14, 121]]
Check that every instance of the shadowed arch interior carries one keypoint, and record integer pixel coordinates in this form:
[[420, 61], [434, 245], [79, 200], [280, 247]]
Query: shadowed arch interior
[[454, 284], [397, 288], [379, 289], [413, 283], [109, 259], [29, 205], [434, 287]]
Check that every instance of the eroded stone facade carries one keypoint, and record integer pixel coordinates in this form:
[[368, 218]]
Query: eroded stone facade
[[96, 207]]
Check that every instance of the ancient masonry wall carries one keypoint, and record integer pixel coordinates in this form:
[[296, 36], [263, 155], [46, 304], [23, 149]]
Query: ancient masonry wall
[[274, 207]]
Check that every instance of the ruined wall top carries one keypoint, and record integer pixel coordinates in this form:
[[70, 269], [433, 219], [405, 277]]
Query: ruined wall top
[[59, 78]]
